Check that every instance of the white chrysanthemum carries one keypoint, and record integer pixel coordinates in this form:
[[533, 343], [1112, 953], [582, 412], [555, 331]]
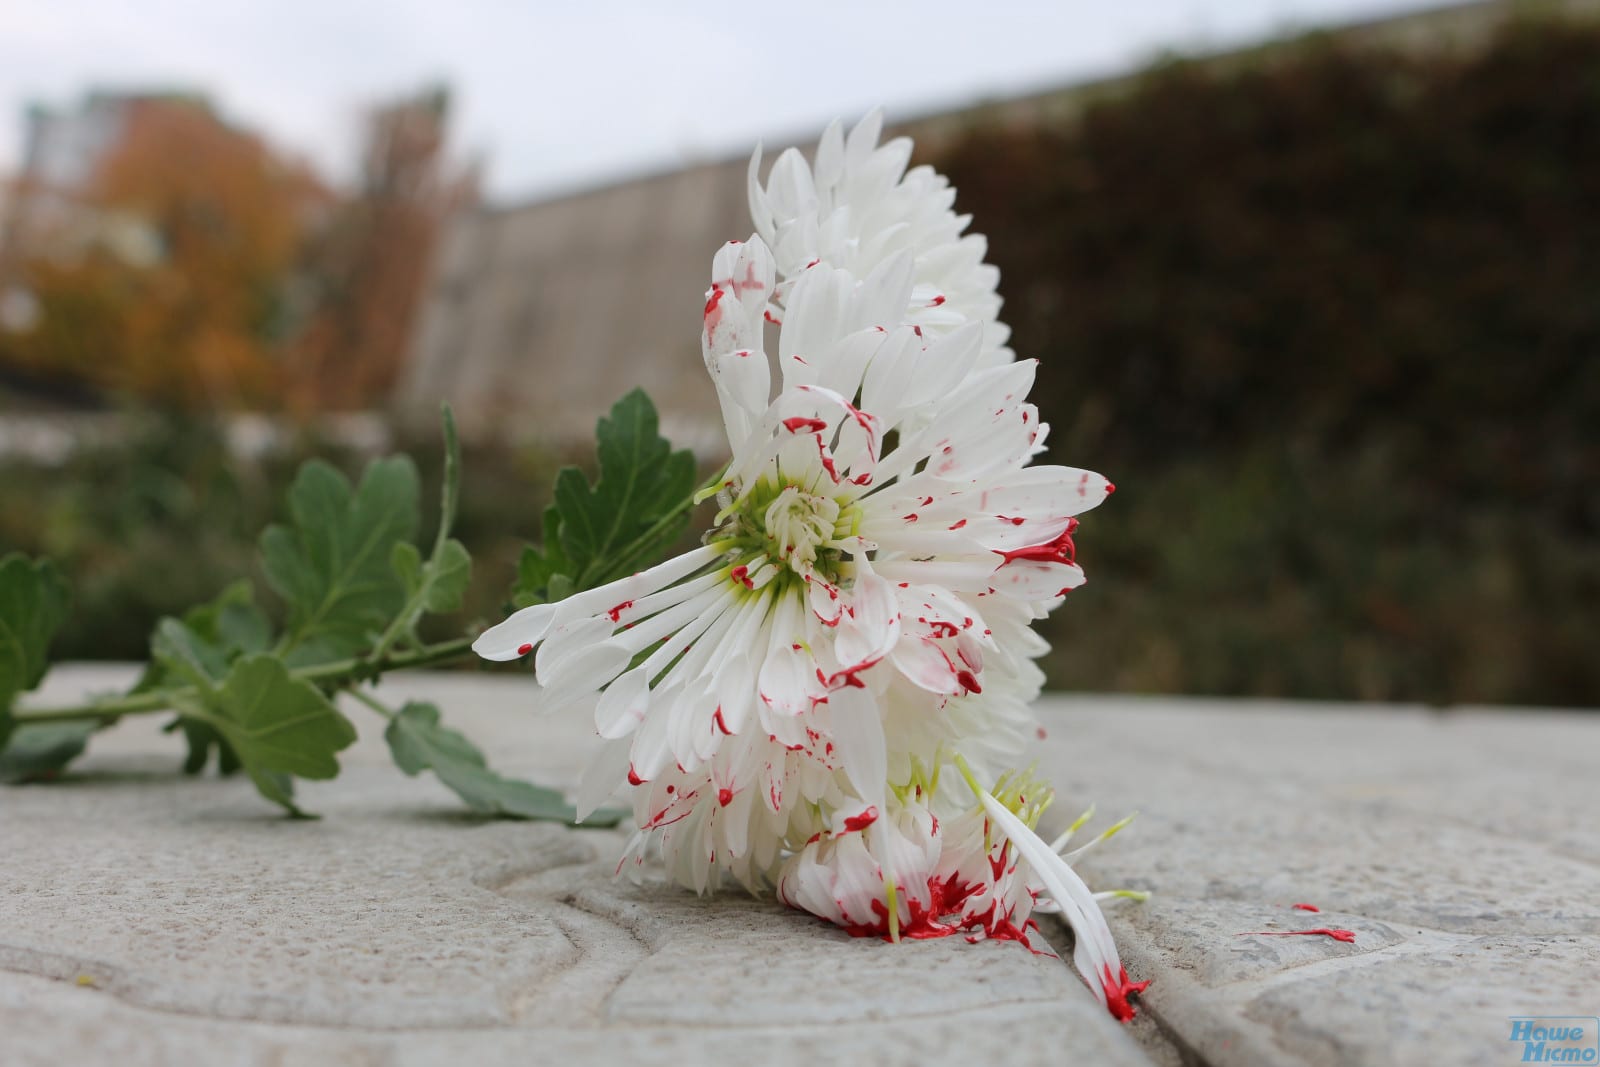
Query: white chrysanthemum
[[833, 551], [983, 871], [782, 699], [858, 206]]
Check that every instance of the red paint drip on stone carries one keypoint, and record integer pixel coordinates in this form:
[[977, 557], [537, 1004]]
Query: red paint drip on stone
[[1347, 936]]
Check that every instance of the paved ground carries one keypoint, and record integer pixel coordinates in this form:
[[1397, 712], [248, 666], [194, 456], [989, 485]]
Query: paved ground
[[146, 918]]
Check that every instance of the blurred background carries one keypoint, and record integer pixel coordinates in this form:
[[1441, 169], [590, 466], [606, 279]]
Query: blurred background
[[1316, 283]]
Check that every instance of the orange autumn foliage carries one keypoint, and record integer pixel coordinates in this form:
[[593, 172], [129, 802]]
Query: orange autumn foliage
[[169, 286]]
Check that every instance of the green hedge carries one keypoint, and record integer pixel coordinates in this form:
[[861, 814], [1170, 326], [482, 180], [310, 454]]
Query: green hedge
[[167, 518], [1330, 318]]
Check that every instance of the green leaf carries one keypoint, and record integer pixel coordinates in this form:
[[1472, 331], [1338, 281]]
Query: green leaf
[[33, 605], [439, 585], [539, 568], [202, 738], [185, 657], [418, 742], [198, 652], [333, 563], [278, 726], [39, 751], [635, 508], [232, 622]]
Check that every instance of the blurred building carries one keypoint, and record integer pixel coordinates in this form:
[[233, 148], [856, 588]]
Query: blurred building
[[541, 314], [50, 208]]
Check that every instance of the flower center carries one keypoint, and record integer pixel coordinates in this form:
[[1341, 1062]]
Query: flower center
[[789, 527], [797, 524]]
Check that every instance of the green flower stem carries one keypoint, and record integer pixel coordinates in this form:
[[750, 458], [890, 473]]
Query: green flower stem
[[373, 702], [335, 674]]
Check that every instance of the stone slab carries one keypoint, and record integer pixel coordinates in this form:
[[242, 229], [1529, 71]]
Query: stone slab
[[1462, 849], [149, 918]]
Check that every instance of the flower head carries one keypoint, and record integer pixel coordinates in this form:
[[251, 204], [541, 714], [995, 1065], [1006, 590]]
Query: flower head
[[781, 700]]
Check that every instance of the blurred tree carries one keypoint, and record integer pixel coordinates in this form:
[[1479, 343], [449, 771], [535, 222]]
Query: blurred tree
[[368, 271], [1329, 318], [163, 278]]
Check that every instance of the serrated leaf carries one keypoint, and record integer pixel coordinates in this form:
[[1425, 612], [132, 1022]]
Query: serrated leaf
[[39, 751], [185, 657], [333, 562], [539, 566], [33, 605], [277, 725], [199, 651], [418, 742], [441, 582], [592, 532]]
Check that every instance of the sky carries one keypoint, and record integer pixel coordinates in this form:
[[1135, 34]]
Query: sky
[[556, 96]]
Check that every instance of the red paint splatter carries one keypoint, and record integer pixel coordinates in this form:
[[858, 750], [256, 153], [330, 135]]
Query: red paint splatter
[[713, 312], [1306, 907], [800, 422], [969, 682], [937, 301], [523, 650], [616, 612], [958, 524], [741, 574], [1117, 990], [633, 776], [724, 796], [1060, 550], [1347, 936], [750, 280], [721, 723], [827, 460], [909, 518], [862, 821]]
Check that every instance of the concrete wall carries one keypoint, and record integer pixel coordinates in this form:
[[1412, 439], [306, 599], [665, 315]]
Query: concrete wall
[[542, 315]]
